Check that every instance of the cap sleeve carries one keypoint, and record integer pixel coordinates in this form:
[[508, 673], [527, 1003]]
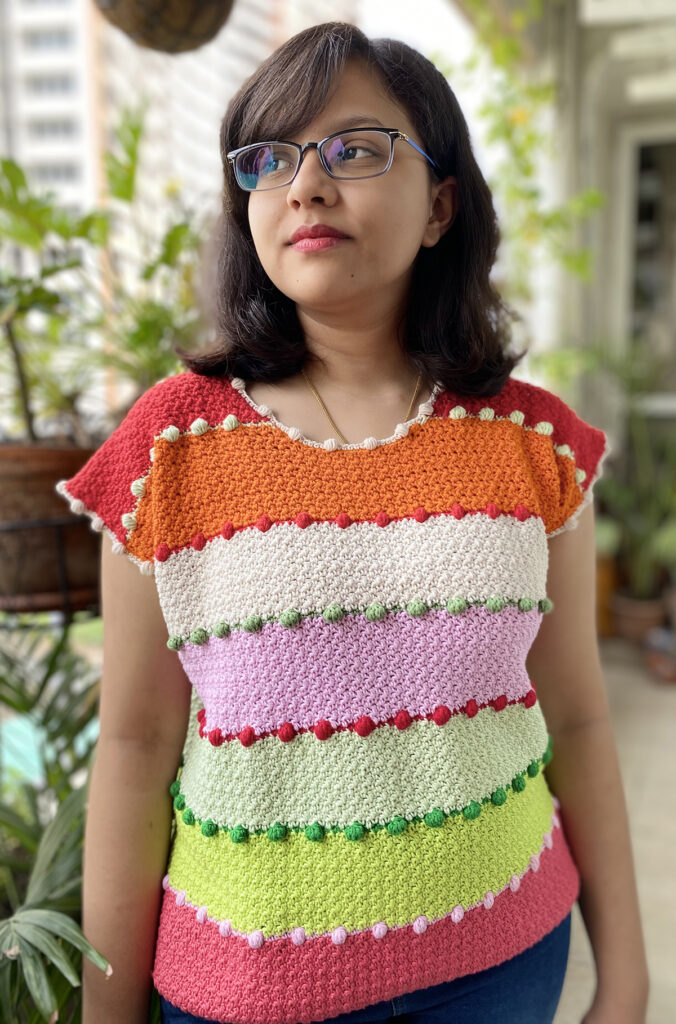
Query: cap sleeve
[[579, 450], [113, 487]]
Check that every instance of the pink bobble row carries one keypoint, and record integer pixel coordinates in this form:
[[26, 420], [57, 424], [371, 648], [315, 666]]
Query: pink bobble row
[[457, 914], [489, 900], [379, 930], [420, 924], [256, 939], [165, 882], [534, 861], [201, 915], [225, 928], [549, 842], [298, 936], [180, 898], [338, 936], [514, 883]]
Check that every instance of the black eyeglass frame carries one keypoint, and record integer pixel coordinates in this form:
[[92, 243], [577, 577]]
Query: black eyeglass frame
[[393, 134]]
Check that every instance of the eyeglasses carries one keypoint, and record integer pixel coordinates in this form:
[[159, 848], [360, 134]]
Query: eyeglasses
[[357, 153]]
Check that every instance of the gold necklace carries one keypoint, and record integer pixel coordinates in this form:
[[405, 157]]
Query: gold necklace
[[342, 438]]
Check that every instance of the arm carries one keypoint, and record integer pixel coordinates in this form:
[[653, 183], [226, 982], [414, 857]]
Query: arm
[[144, 708], [565, 668]]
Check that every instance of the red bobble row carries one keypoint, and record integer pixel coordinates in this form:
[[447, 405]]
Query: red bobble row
[[365, 725]]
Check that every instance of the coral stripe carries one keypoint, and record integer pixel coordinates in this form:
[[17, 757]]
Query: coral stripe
[[433, 561], [275, 886], [203, 971], [367, 779], [469, 462]]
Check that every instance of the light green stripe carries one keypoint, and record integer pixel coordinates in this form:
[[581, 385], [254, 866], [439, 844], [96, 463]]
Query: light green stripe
[[370, 779], [392, 878]]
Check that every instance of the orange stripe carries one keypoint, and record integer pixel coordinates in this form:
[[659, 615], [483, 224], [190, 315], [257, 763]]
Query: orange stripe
[[237, 476]]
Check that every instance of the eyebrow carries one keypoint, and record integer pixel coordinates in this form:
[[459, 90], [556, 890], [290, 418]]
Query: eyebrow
[[353, 121]]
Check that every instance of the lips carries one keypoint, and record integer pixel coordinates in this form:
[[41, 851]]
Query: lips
[[316, 231]]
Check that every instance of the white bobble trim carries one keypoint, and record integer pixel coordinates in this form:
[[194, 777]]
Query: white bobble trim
[[420, 924], [426, 409], [379, 930], [225, 928], [230, 422], [201, 914], [295, 433], [330, 444], [256, 939], [98, 523], [401, 430], [543, 427], [298, 936], [264, 410], [489, 900], [118, 548], [338, 935], [138, 488], [580, 475], [171, 433], [78, 506], [199, 426], [147, 568], [151, 454], [486, 413], [457, 914], [180, 898], [563, 449], [515, 883], [517, 417], [237, 383], [370, 443], [129, 521], [458, 412]]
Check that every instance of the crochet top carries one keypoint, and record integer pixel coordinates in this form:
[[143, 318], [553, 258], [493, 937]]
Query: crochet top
[[360, 809]]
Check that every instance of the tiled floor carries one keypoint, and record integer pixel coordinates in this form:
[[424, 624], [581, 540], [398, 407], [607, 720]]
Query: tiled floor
[[644, 718]]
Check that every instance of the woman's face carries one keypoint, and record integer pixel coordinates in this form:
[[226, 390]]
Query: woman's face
[[387, 218]]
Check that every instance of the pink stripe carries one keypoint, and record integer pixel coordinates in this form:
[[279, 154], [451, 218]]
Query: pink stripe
[[206, 973], [335, 671]]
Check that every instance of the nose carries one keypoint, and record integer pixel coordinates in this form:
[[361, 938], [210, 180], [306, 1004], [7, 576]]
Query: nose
[[311, 172]]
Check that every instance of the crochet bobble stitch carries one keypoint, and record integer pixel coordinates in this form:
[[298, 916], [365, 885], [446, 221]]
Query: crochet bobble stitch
[[343, 520], [339, 935], [364, 726], [356, 831], [374, 612]]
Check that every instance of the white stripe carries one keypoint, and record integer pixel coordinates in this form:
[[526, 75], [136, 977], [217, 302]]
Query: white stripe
[[266, 573]]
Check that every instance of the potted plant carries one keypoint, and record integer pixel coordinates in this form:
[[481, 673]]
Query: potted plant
[[67, 315]]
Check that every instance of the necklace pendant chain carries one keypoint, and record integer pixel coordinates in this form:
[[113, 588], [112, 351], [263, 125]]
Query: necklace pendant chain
[[330, 418]]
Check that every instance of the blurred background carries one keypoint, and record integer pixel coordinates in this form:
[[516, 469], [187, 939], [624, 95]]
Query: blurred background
[[110, 182]]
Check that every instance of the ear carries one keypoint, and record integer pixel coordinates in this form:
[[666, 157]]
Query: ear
[[443, 210]]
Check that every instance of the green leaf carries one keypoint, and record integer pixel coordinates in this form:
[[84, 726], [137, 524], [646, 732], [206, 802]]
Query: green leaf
[[46, 944], [36, 978], [61, 924]]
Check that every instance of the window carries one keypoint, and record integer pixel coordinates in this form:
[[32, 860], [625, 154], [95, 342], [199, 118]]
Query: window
[[53, 128], [50, 84], [47, 38]]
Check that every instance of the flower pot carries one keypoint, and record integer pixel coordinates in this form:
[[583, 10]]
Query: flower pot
[[171, 26], [606, 585], [634, 616], [50, 558]]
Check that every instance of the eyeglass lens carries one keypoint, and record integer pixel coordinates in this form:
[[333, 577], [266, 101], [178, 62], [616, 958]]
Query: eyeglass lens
[[354, 154]]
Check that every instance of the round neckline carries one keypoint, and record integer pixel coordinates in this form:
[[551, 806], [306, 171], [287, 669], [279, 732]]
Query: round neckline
[[425, 410]]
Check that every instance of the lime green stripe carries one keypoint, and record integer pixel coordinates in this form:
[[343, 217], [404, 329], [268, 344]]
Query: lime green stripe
[[351, 778], [335, 613], [278, 886]]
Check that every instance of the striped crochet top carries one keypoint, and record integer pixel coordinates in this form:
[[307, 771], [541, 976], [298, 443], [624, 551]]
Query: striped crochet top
[[360, 808]]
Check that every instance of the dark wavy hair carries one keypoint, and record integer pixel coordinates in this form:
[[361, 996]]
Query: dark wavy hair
[[456, 329]]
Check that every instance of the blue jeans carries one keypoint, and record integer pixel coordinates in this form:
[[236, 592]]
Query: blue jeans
[[522, 990]]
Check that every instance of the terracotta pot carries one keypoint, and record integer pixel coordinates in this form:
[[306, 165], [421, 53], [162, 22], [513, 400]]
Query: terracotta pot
[[633, 616], [606, 584], [171, 26], [54, 563]]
